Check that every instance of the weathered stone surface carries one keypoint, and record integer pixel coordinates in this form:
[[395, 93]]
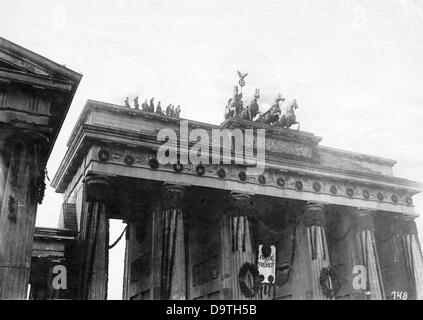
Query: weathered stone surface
[[35, 94]]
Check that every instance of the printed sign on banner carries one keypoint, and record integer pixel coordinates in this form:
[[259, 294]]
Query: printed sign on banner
[[266, 263]]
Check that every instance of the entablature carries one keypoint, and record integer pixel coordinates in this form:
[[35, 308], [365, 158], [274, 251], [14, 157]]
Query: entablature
[[115, 140], [34, 91]]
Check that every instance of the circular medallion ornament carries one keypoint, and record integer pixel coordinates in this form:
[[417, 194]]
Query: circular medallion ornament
[[299, 185], [129, 160], [409, 201], [330, 282], [242, 176], [262, 179], [103, 155], [394, 198], [221, 173], [200, 169], [280, 182], [154, 164], [380, 196], [246, 271], [366, 194], [178, 167], [317, 186], [350, 192], [333, 189]]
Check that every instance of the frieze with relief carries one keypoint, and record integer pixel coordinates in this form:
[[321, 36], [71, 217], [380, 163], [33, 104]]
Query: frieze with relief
[[270, 177], [294, 149]]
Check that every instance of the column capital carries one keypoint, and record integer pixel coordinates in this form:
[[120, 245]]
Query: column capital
[[364, 218], [97, 188], [314, 214], [240, 204], [32, 135], [173, 196], [405, 225], [26, 137]]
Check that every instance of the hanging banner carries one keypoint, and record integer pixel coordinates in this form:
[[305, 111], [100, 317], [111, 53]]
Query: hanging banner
[[266, 263]]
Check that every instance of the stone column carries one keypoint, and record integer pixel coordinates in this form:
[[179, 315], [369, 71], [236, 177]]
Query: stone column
[[22, 190], [94, 238], [314, 220], [237, 245], [173, 257], [406, 227], [367, 255], [126, 264]]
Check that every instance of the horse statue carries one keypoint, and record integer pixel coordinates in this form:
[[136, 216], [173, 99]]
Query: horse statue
[[288, 119], [250, 112], [234, 107], [229, 113], [272, 115]]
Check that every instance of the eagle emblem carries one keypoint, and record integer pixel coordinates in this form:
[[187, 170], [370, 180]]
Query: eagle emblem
[[241, 78]]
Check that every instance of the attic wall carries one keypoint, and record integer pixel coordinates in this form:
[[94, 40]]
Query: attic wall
[[126, 121], [346, 162]]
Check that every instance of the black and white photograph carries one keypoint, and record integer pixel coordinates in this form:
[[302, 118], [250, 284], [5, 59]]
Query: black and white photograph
[[218, 150]]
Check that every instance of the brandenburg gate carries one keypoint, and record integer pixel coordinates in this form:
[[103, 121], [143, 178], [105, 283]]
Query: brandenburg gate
[[326, 223], [313, 223]]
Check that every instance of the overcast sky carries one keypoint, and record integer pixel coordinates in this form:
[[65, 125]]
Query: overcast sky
[[355, 67]]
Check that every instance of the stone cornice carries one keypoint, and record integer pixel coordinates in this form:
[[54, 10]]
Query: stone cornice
[[272, 183], [290, 187], [91, 105], [133, 139], [37, 80], [28, 60], [55, 234]]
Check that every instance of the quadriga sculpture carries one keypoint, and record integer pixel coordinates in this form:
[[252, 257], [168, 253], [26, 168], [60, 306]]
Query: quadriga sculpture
[[272, 115], [289, 118], [252, 110]]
